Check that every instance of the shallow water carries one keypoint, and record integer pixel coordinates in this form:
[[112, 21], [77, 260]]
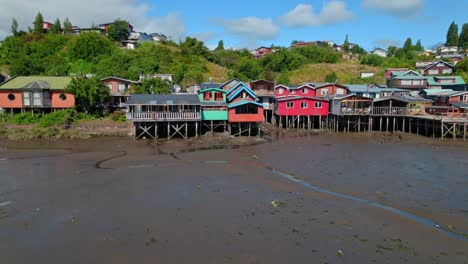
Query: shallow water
[[376, 199]]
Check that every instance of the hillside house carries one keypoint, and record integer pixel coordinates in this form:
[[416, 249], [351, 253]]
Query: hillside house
[[438, 68], [390, 71], [36, 93], [455, 83], [120, 90], [158, 37], [261, 51], [105, 26], [410, 80], [379, 52]]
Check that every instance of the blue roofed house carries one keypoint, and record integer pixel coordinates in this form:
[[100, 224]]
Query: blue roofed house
[[410, 80], [455, 83], [375, 91]]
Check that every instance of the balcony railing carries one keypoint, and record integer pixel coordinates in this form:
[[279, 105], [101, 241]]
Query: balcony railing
[[390, 111], [163, 116], [355, 111]]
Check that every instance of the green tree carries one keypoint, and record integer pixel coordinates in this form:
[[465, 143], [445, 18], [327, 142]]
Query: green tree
[[462, 66], [89, 46], [14, 27], [331, 77], [452, 35], [463, 39], [56, 27], [358, 50], [154, 86], [220, 45], [346, 43], [38, 24], [118, 30], [89, 93], [391, 50], [372, 59], [194, 47], [418, 46], [408, 46], [67, 26], [249, 68]]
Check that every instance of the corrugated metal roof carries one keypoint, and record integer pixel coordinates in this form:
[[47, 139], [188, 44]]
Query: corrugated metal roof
[[460, 104], [431, 80], [164, 99], [362, 88], [52, 82]]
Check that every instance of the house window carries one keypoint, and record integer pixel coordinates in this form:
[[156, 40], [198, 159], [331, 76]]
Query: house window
[[417, 82], [289, 104], [464, 97], [324, 91], [446, 71], [63, 97], [406, 82], [280, 90], [37, 99], [318, 104], [339, 91], [433, 72], [122, 87], [11, 97], [218, 96], [304, 105], [26, 100], [304, 90], [207, 96]]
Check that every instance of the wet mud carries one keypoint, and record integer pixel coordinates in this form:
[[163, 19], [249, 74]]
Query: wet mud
[[295, 199]]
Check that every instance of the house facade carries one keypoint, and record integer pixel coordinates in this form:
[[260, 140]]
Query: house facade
[[388, 72], [36, 93], [105, 26], [261, 51], [446, 82], [410, 80], [439, 68], [379, 52], [120, 90], [214, 106], [243, 106], [265, 91], [327, 89], [301, 106]]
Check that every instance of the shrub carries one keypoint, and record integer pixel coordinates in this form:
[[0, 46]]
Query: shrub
[[58, 118], [25, 119]]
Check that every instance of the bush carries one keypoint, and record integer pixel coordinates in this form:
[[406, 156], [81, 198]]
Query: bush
[[58, 118], [118, 116], [25, 119]]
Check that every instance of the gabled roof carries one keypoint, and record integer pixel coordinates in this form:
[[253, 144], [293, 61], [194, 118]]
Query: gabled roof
[[244, 102], [164, 99], [437, 92], [296, 87], [406, 74], [38, 82], [120, 79], [437, 62], [262, 80], [212, 89], [363, 88], [235, 90], [210, 85], [231, 80]]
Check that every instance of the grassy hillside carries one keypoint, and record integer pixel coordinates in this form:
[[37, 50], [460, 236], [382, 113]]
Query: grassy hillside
[[218, 73], [348, 73]]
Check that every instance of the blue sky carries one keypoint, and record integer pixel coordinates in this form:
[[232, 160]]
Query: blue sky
[[370, 23]]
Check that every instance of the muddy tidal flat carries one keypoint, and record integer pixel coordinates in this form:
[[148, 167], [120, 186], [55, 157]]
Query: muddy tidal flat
[[296, 199]]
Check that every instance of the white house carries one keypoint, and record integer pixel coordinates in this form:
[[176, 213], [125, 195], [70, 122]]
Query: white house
[[379, 52]]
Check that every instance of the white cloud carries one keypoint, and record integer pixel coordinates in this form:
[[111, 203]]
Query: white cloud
[[250, 29], [303, 15], [205, 36], [399, 8], [84, 13]]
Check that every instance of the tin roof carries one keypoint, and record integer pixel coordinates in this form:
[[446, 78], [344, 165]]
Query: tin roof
[[404, 98], [164, 99], [431, 80], [120, 79], [38, 82]]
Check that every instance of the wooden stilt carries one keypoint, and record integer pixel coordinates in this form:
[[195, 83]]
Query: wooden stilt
[[380, 129], [168, 131], [403, 126], [454, 131], [387, 124], [359, 124], [442, 129], [417, 126], [348, 124], [156, 131], [186, 131], [196, 129], [394, 124], [433, 128], [464, 131], [320, 122]]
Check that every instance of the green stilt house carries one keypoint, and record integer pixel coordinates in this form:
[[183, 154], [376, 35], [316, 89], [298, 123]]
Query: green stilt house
[[214, 109]]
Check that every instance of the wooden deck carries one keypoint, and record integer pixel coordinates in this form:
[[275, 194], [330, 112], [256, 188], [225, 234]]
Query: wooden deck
[[163, 116]]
